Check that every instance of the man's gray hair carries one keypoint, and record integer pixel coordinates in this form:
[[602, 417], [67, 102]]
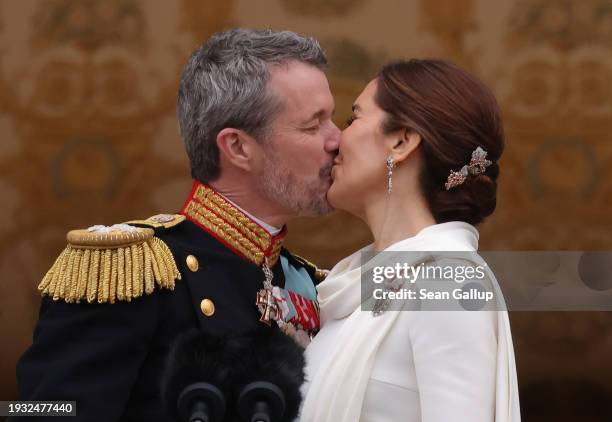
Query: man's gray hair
[[224, 84]]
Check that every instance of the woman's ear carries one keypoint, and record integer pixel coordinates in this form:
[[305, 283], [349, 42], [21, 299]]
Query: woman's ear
[[404, 143], [237, 148]]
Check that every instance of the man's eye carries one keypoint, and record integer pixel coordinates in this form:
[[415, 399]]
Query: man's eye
[[312, 129], [350, 120]]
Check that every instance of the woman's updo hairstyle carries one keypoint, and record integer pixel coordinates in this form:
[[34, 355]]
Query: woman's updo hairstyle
[[454, 113]]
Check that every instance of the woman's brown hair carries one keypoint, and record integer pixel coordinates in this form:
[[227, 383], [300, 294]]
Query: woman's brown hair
[[454, 113]]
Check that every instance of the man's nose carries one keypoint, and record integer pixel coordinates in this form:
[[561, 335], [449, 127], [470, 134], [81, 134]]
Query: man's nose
[[332, 143]]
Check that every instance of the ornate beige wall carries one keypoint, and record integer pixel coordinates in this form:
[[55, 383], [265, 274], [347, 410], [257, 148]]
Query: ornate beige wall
[[88, 133]]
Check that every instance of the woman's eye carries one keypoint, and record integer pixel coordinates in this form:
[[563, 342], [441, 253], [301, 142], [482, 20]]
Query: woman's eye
[[350, 120]]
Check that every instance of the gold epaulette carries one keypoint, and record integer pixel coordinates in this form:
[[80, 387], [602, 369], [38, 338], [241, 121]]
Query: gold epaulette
[[107, 264], [319, 273]]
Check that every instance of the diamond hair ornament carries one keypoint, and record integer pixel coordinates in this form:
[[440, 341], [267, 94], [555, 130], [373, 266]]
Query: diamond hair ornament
[[478, 165]]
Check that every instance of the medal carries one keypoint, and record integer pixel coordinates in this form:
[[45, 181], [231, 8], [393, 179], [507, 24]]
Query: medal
[[266, 303]]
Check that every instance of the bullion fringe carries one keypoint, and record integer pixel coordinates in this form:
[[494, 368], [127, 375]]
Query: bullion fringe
[[110, 275]]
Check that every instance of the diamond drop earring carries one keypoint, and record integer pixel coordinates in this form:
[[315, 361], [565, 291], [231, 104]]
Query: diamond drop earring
[[390, 166]]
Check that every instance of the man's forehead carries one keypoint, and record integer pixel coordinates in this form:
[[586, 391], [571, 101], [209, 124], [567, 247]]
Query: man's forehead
[[303, 88], [295, 77]]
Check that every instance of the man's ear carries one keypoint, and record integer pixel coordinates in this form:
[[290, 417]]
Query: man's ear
[[237, 147], [404, 143]]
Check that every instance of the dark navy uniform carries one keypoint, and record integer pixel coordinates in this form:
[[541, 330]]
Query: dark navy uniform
[[118, 296]]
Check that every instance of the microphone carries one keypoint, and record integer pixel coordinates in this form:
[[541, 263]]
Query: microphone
[[252, 376]]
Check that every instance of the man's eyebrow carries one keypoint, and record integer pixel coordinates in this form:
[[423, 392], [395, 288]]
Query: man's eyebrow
[[316, 115]]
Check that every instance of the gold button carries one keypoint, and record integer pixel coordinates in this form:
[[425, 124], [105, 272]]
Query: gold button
[[208, 307], [192, 263]]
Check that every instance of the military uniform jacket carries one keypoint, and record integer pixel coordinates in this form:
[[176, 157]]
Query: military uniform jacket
[[112, 307]]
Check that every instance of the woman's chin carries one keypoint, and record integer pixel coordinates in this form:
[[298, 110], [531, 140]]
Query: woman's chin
[[335, 196]]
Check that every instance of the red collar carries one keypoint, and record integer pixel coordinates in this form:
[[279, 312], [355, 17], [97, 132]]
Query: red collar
[[232, 227]]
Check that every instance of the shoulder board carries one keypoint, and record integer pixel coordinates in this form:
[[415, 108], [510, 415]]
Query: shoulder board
[[319, 273], [160, 220], [106, 264]]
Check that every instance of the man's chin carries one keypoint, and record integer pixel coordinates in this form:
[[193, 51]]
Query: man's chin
[[318, 205], [298, 198], [322, 211], [317, 208], [328, 207]]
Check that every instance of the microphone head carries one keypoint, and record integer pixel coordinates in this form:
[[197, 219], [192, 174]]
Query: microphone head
[[193, 358], [232, 361], [276, 358]]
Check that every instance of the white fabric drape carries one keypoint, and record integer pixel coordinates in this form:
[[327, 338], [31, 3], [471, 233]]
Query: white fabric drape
[[336, 390]]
